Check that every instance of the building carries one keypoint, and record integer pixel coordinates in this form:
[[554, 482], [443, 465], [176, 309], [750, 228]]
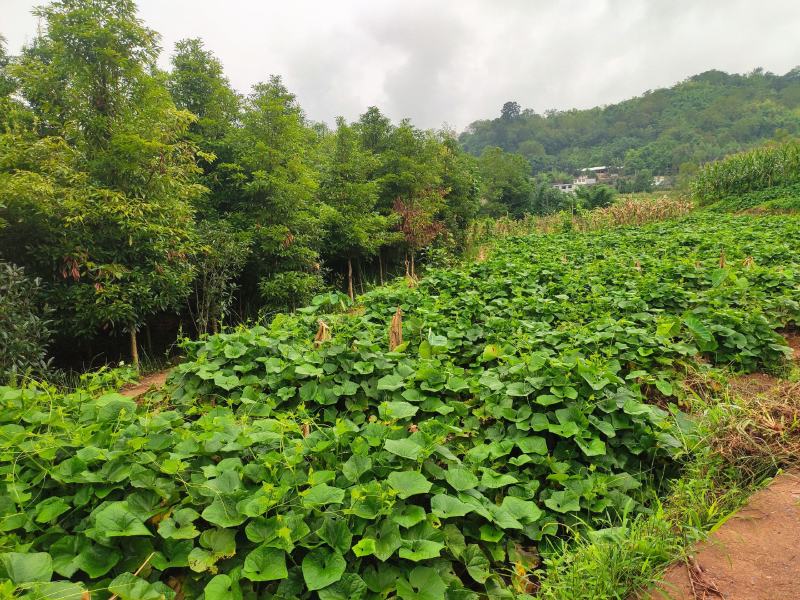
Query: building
[[588, 176]]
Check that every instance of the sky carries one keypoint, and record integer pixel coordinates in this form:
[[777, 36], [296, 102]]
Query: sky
[[446, 63]]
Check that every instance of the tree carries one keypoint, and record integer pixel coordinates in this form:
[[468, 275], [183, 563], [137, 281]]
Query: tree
[[595, 196], [506, 182], [510, 110], [197, 84], [272, 183], [218, 259], [101, 204], [354, 227], [418, 222]]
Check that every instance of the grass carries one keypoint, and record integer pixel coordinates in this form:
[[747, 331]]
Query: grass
[[738, 450]]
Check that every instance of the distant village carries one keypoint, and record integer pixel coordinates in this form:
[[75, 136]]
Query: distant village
[[603, 174]]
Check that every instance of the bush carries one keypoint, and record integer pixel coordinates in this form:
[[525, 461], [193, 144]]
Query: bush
[[757, 169], [24, 332]]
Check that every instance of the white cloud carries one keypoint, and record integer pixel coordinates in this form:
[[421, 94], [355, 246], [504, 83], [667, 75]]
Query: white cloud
[[455, 61]]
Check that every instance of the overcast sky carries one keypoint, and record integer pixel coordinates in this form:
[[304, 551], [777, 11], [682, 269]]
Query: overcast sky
[[453, 61]]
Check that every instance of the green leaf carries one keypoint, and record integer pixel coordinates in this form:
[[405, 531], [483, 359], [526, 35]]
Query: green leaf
[[356, 466], [321, 568], [533, 444], [349, 587], [336, 533], [27, 568], [423, 583], [445, 507], [563, 501], [476, 562], [179, 525], [365, 547], [265, 564], [397, 410], [417, 550], [223, 512], [461, 479], [391, 382], [409, 483], [130, 587], [308, 370], [322, 494], [117, 520], [409, 515], [226, 382], [221, 587], [524, 511], [50, 509], [404, 447]]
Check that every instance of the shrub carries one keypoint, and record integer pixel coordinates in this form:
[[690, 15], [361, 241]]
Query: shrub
[[24, 332]]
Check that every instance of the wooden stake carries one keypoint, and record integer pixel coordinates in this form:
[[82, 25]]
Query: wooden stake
[[134, 349], [396, 330]]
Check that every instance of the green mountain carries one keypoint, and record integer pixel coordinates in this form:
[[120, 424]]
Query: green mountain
[[702, 118]]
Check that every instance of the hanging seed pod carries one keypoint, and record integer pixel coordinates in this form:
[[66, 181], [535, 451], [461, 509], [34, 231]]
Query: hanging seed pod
[[396, 330], [323, 333], [722, 262]]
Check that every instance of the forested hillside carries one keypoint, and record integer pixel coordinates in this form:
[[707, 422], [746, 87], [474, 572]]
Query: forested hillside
[[663, 131]]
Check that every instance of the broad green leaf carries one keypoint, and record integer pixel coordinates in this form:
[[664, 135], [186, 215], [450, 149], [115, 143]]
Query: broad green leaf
[[404, 447], [349, 587], [130, 587], [423, 583], [265, 564], [322, 494], [356, 466], [409, 483], [409, 515], [445, 507], [460, 478], [50, 509], [223, 512], [336, 533], [417, 550], [321, 568], [23, 568], [476, 562], [391, 382], [117, 520], [397, 410]]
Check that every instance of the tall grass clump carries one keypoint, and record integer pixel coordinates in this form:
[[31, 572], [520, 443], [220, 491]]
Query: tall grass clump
[[757, 169]]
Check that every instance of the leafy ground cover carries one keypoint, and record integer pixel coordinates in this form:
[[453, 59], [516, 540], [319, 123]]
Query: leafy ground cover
[[531, 397], [777, 198]]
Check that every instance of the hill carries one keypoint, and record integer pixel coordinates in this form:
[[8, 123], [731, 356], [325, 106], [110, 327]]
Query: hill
[[702, 118]]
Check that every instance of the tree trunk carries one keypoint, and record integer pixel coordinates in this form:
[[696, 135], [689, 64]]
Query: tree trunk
[[134, 349], [380, 266], [214, 325], [149, 339], [413, 271], [360, 278], [350, 279]]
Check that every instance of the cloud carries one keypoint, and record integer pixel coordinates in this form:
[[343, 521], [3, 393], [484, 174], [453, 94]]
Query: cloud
[[454, 61]]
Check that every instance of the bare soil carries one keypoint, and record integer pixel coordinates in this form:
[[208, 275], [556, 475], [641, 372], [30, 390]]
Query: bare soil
[[755, 555], [147, 383]]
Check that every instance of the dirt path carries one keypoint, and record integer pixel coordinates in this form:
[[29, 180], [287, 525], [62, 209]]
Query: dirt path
[[754, 556], [152, 381]]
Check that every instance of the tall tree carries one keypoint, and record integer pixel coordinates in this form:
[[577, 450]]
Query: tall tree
[[506, 182], [355, 229], [114, 176], [273, 183]]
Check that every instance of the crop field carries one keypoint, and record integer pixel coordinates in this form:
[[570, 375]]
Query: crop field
[[429, 441]]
